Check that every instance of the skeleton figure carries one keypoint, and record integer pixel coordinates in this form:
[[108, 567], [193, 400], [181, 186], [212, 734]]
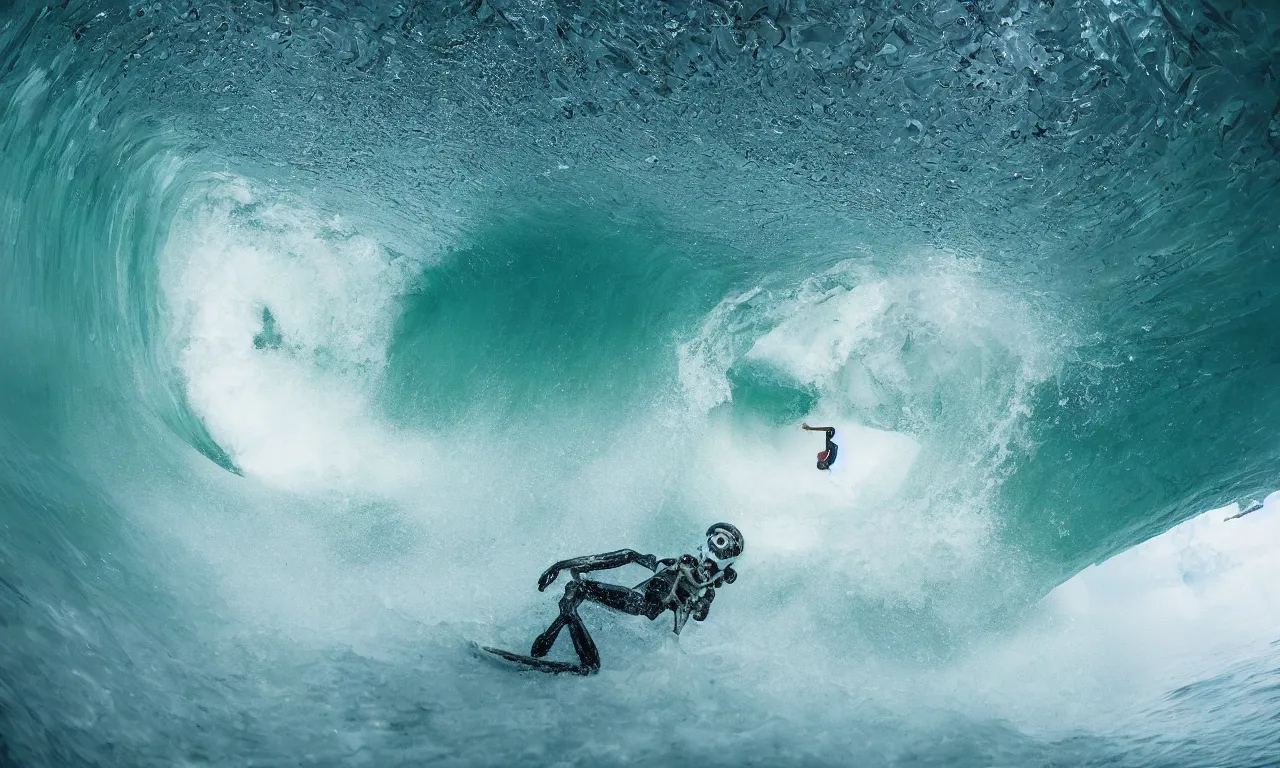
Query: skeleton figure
[[685, 586]]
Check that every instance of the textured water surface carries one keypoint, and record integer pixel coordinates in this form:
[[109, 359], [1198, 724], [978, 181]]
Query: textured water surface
[[326, 326]]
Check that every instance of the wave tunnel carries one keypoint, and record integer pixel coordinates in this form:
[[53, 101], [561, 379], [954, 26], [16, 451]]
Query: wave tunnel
[[327, 325]]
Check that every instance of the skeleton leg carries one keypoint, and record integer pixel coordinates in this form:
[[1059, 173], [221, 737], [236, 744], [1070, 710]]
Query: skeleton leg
[[543, 642], [628, 601]]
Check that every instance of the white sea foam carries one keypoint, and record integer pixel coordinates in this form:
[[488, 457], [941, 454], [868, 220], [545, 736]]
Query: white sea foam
[[906, 527], [892, 524], [1114, 639], [297, 415], [925, 372]]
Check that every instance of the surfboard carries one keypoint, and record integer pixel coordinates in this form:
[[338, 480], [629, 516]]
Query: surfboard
[[529, 662]]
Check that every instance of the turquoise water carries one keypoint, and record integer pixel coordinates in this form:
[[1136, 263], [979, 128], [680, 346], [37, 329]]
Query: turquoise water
[[327, 326]]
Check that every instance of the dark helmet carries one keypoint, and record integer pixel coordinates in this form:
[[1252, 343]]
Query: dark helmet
[[725, 541]]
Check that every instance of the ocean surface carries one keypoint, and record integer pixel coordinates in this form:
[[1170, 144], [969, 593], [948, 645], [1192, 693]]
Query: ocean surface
[[327, 325]]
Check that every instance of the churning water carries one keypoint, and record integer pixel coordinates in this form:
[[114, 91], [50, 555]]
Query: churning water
[[326, 325]]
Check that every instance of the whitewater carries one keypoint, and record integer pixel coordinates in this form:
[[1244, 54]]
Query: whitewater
[[326, 326]]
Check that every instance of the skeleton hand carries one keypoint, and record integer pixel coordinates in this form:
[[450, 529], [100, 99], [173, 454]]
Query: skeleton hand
[[548, 576]]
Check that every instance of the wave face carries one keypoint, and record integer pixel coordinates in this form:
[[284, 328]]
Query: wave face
[[328, 326]]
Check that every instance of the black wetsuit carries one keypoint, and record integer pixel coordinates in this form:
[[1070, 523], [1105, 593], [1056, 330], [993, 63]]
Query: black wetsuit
[[832, 448], [669, 588]]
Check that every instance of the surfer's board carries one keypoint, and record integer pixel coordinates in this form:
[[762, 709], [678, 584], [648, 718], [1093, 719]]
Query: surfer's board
[[529, 662]]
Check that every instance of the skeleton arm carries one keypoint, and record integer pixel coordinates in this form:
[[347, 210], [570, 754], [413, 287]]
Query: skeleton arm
[[600, 562]]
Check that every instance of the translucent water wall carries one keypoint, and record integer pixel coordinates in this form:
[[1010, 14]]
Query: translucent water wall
[[326, 327]]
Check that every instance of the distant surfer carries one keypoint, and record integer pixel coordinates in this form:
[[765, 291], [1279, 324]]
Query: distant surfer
[[685, 586], [828, 457]]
